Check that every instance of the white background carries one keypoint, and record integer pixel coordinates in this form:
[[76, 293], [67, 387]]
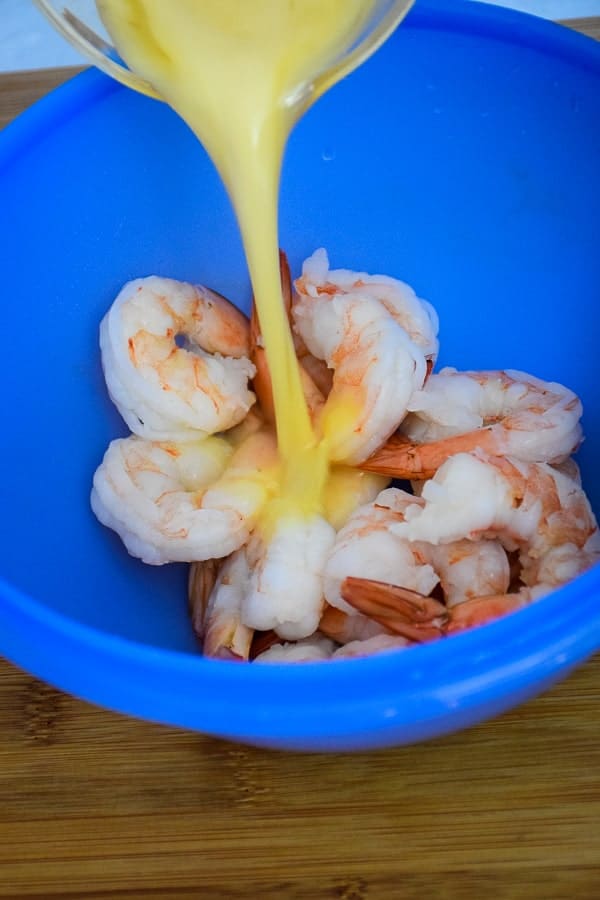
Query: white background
[[28, 42]]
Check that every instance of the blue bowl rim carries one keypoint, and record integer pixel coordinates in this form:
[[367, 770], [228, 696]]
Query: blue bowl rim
[[387, 690]]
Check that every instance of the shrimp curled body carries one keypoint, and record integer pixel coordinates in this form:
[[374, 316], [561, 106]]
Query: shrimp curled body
[[182, 502], [504, 413], [379, 357], [416, 316], [175, 359]]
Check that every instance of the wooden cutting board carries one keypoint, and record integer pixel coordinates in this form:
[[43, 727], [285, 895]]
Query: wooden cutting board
[[94, 805]]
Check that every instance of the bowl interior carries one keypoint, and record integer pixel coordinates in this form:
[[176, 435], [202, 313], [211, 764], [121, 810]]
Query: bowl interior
[[463, 158]]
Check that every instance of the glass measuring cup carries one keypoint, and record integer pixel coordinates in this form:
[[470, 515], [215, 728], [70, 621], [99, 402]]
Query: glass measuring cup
[[79, 23]]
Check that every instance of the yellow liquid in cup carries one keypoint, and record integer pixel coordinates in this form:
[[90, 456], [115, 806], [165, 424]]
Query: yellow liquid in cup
[[239, 72]]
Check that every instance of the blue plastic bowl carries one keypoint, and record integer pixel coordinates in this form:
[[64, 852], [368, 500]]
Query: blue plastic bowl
[[464, 158]]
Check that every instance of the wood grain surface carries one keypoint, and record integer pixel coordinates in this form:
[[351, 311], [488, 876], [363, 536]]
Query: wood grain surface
[[94, 805]]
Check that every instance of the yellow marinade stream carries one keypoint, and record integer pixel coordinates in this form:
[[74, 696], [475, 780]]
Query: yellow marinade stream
[[239, 74]]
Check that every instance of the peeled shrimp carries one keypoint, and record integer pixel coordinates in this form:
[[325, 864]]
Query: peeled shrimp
[[366, 547], [370, 547], [284, 591], [310, 649], [175, 359], [416, 316], [174, 502], [529, 507], [504, 413], [380, 643], [317, 649], [467, 569], [377, 366]]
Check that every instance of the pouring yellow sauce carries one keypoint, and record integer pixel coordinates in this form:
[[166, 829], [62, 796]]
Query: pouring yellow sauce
[[241, 74]]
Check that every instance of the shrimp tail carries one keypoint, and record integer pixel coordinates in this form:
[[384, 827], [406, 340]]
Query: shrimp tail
[[231, 645], [201, 580], [402, 458], [498, 412], [410, 614], [481, 610], [222, 636], [401, 611]]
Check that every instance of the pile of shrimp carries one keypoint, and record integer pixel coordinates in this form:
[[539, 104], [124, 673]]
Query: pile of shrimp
[[490, 515]]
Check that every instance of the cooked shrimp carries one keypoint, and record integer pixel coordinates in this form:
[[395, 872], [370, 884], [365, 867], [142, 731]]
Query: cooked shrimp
[[310, 649], [366, 547], [284, 591], [504, 413], [175, 359], [377, 368], [369, 548], [481, 610], [529, 507], [174, 502], [215, 592], [380, 643], [416, 316], [317, 648], [407, 613], [377, 337], [467, 569]]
